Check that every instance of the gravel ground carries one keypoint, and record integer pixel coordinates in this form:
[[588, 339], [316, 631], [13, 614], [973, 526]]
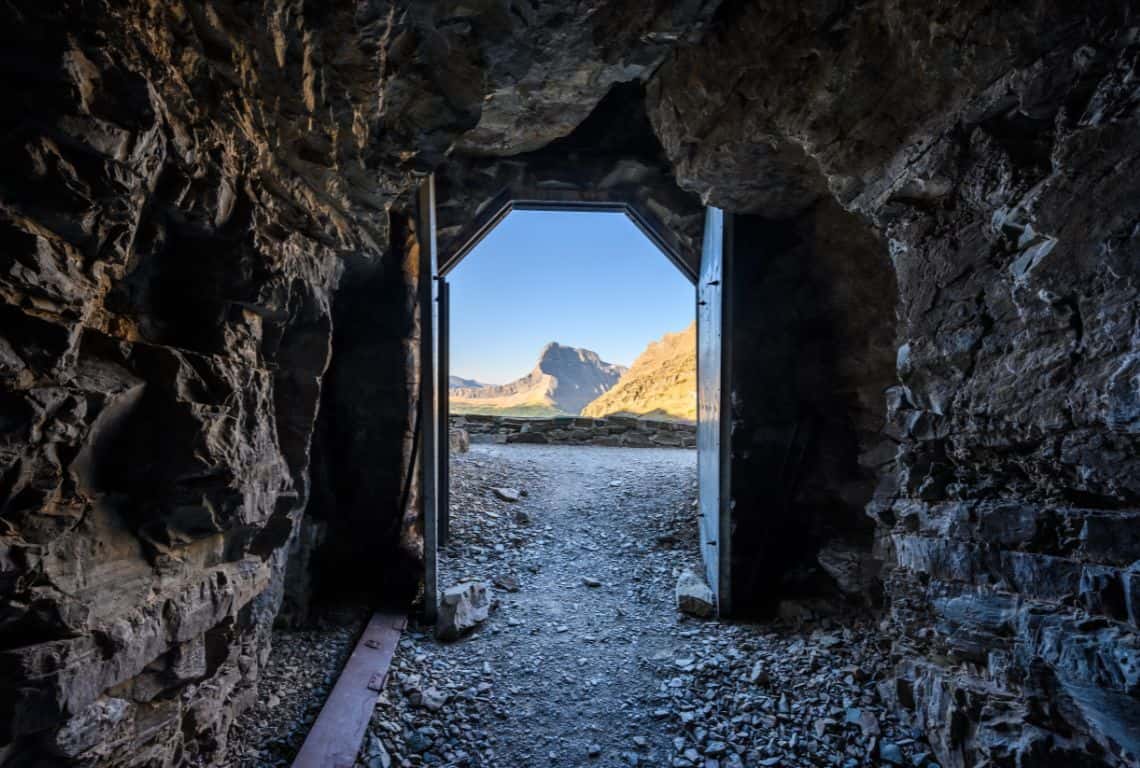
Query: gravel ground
[[585, 660], [303, 666]]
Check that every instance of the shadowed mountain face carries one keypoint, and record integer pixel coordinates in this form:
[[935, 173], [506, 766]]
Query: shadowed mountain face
[[458, 382], [564, 380], [662, 383]]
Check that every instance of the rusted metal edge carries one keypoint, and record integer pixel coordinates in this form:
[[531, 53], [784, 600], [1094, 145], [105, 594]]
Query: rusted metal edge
[[337, 735]]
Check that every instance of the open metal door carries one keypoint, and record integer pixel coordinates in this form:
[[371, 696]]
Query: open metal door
[[714, 414], [429, 421], [442, 390]]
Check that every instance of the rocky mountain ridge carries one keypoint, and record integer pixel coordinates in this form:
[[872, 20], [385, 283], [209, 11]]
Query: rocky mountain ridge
[[563, 381], [661, 383], [458, 382]]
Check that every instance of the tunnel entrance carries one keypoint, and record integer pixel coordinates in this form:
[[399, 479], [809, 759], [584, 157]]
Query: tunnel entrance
[[705, 269]]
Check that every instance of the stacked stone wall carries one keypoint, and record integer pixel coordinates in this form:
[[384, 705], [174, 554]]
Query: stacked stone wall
[[614, 431]]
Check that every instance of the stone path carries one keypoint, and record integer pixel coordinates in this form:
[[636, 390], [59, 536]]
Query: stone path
[[565, 673]]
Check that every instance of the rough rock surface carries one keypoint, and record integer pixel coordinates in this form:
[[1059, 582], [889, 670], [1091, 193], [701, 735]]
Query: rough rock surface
[[459, 440], [1002, 182], [208, 327]]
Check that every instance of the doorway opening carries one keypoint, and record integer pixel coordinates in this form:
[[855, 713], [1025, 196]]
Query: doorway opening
[[569, 340], [585, 398]]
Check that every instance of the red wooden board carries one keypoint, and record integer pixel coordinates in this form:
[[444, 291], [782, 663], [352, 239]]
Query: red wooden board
[[338, 732]]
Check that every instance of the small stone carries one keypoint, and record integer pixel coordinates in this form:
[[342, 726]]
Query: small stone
[[594, 750], [377, 756], [694, 596], [891, 752], [433, 699], [759, 675], [419, 740], [507, 494], [591, 582], [461, 609]]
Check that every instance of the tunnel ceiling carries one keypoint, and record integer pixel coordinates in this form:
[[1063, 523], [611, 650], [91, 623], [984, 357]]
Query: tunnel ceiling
[[209, 276]]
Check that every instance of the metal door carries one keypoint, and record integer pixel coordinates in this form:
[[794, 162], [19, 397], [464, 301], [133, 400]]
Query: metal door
[[429, 397], [442, 389], [713, 406]]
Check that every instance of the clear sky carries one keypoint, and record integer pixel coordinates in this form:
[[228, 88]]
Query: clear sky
[[582, 279]]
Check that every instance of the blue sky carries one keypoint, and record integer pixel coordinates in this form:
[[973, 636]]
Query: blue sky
[[582, 279]]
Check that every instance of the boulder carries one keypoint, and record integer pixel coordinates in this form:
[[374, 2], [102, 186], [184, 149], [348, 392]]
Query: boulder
[[694, 596], [460, 440], [461, 609]]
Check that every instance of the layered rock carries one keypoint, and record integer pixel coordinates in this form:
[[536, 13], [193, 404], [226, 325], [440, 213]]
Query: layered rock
[[173, 231]]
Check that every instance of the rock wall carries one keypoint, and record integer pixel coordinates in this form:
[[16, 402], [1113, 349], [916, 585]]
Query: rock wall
[[203, 206], [993, 148], [613, 431], [174, 222]]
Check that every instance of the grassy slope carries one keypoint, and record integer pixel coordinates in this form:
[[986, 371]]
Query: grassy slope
[[524, 411], [661, 384]]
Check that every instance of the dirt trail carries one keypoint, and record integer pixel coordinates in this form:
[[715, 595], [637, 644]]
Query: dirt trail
[[568, 674], [580, 658]]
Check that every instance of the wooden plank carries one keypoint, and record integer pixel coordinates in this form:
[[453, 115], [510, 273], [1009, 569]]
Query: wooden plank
[[338, 732]]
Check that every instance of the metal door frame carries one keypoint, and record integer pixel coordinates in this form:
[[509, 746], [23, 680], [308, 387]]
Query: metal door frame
[[434, 371], [429, 399]]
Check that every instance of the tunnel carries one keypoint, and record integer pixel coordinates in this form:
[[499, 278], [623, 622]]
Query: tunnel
[[912, 230]]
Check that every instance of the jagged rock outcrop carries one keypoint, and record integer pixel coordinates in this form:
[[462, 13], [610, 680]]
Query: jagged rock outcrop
[[563, 381], [661, 383]]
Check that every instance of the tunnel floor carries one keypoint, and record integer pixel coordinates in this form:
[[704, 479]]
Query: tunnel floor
[[564, 673]]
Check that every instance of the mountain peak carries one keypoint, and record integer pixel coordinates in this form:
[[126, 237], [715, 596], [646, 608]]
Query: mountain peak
[[563, 380]]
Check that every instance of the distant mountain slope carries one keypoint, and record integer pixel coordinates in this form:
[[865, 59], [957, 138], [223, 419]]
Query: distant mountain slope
[[563, 381], [662, 383], [458, 382]]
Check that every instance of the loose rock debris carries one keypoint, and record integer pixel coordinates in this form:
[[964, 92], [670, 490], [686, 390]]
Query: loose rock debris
[[302, 669], [568, 674]]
